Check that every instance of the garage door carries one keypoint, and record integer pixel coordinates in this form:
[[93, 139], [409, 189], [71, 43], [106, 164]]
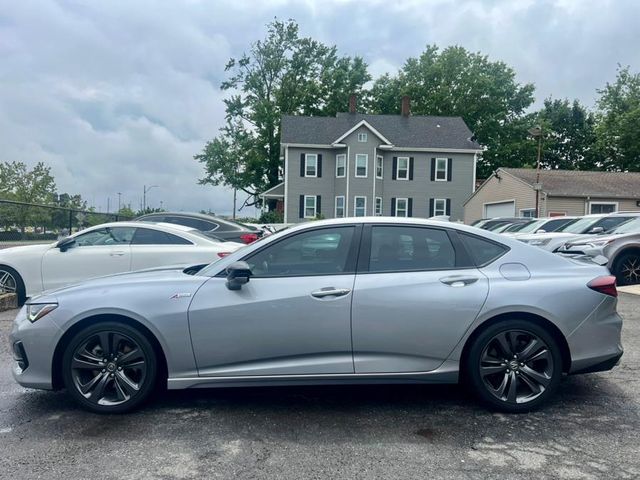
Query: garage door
[[502, 209]]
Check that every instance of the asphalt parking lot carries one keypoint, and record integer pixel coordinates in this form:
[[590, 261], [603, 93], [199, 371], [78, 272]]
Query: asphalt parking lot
[[589, 431]]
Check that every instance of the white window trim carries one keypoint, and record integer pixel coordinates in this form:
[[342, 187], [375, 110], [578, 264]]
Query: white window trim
[[596, 202], [315, 206], [522, 210], [398, 168], [335, 207], [378, 203], [366, 165], [406, 207], [363, 136], [381, 158], [355, 202], [306, 164], [344, 166], [435, 207], [446, 170]]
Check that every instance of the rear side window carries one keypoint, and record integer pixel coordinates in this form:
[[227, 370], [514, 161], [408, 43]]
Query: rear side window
[[482, 251], [403, 248], [147, 236], [196, 223]]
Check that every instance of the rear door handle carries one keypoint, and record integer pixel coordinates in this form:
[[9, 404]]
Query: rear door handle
[[116, 253], [330, 292], [458, 280]]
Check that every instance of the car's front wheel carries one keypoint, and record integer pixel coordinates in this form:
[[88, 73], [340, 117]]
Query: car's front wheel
[[627, 269], [109, 367], [514, 365]]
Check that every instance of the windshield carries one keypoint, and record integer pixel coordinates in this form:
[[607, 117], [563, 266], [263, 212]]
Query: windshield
[[580, 226], [632, 226], [529, 227]]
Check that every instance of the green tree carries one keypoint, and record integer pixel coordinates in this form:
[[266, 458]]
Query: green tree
[[282, 74], [618, 119], [456, 82]]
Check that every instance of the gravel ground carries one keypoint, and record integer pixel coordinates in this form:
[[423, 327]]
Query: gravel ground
[[589, 431]]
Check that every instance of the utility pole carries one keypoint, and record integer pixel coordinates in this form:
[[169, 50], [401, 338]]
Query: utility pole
[[108, 204], [119, 201], [536, 132]]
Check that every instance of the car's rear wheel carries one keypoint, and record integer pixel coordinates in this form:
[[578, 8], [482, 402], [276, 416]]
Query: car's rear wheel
[[627, 269], [109, 367], [11, 282], [514, 365]]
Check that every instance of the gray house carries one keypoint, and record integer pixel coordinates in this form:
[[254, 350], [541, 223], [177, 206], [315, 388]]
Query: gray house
[[357, 165]]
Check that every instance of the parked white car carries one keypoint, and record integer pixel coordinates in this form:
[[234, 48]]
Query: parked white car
[[105, 249]]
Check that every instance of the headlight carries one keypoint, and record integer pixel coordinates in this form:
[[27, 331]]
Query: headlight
[[36, 311], [599, 243], [539, 242]]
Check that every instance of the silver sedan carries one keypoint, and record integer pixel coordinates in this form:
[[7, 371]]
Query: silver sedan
[[368, 300]]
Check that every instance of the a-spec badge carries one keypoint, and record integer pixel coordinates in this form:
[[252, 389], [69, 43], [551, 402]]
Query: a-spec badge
[[180, 295]]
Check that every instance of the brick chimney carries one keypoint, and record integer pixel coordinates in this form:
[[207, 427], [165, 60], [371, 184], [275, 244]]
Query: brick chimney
[[406, 106], [352, 103]]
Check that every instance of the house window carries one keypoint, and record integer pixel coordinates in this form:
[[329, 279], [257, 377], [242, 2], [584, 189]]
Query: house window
[[341, 162], [439, 206], [441, 169], [360, 206], [362, 159], [402, 172], [362, 137], [603, 207], [339, 210], [378, 206], [402, 209], [379, 166], [528, 212], [310, 206], [311, 165]]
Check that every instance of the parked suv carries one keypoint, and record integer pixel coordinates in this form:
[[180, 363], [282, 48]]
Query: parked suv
[[211, 226]]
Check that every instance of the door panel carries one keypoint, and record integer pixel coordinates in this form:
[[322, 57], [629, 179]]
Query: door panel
[[272, 326], [411, 321]]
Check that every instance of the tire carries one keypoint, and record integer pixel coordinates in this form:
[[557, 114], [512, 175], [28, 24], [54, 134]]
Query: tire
[[509, 383], [11, 282], [121, 383], [627, 269]]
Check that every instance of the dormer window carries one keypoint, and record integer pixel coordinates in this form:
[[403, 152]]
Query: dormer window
[[362, 137]]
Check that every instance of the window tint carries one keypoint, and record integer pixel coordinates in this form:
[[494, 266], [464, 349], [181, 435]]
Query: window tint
[[396, 249], [147, 236], [196, 223], [105, 236], [318, 252], [482, 251]]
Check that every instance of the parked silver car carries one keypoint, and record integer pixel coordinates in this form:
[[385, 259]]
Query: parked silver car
[[367, 300], [621, 247]]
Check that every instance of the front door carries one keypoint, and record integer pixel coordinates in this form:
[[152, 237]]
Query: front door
[[414, 300], [292, 318]]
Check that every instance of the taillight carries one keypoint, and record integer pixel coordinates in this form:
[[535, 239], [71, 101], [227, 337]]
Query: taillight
[[605, 284], [249, 237], [223, 254]]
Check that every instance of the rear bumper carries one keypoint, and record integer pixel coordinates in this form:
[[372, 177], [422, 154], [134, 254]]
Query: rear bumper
[[602, 366]]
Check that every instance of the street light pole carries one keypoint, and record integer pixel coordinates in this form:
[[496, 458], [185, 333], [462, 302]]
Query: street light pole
[[536, 132], [145, 189]]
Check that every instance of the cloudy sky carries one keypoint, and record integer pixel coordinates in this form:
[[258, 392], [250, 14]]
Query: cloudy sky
[[114, 94]]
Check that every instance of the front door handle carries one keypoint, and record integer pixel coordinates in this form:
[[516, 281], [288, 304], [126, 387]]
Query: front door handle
[[116, 253], [458, 280], [330, 292]]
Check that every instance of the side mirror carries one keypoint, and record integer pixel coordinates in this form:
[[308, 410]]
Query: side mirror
[[596, 230], [541, 230], [238, 274], [65, 244]]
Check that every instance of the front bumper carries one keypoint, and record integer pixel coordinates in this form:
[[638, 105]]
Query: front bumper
[[33, 346]]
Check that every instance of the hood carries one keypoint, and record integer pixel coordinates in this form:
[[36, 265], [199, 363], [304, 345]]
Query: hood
[[550, 235], [26, 249], [585, 239]]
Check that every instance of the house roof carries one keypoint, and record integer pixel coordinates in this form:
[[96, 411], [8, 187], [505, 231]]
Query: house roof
[[408, 132], [576, 183]]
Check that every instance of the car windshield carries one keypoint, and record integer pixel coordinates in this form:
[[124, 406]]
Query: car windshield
[[528, 227], [580, 226], [632, 226]]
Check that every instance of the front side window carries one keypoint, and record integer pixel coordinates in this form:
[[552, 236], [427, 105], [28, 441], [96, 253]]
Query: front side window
[[310, 206], [341, 162], [105, 237], [378, 206], [361, 164], [148, 236], [441, 169], [603, 207], [402, 208], [360, 206], [379, 166], [362, 137], [318, 252], [339, 207], [403, 168], [439, 207], [402, 248], [311, 165]]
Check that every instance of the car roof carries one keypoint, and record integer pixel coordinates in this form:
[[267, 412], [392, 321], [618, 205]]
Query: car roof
[[155, 225]]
